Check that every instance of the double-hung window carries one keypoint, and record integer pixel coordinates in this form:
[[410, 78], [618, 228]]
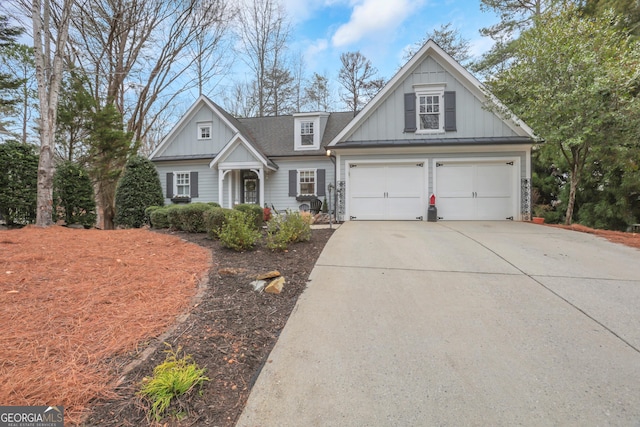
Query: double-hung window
[[429, 112], [307, 182], [306, 133], [183, 184]]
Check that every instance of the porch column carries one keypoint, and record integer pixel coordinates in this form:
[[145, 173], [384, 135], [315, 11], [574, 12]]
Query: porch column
[[221, 175], [260, 173]]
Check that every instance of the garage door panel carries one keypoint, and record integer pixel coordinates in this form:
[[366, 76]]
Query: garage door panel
[[458, 180], [367, 208], [386, 191], [495, 208], [494, 180], [451, 208], [475, 190]]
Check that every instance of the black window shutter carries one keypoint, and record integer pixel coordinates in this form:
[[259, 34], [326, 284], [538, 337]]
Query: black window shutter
[[193, 184], [169, 185], [410, 112], [450, 111], [293, 183], [320, 178]]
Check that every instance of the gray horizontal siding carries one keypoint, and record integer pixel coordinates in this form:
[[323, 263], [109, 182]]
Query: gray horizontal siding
[[277, 183], [207, 178]]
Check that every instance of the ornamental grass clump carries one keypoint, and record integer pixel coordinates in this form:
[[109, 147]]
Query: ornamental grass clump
[[171, 379]]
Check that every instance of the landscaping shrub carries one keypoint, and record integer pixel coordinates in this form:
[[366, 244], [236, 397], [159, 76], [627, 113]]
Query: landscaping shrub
[[18, 182], [160, 217], [285, 229], [73, 197], [171, 379], [238, 232], [214, 220], [254, 211], [189, 217], [214, 204], [148, 212], [138, 189]]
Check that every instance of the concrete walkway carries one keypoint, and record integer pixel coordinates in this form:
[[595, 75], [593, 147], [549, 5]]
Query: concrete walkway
[[459, 323]]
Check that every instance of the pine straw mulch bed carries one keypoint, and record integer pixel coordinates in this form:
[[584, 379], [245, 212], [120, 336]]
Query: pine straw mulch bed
[[627, 239], [70, 300], [86, 314]]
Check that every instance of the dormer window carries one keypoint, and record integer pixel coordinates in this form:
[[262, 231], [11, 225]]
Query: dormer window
[[204, 130], [307, 130], [306, 133]]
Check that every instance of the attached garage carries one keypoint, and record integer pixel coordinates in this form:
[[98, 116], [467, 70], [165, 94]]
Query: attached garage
[[387, 191], [476, 190]]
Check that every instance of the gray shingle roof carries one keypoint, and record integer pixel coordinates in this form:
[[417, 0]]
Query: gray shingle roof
[[275, 134]]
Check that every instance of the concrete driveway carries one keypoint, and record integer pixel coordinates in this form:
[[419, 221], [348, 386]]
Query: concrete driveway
[[449, 324]]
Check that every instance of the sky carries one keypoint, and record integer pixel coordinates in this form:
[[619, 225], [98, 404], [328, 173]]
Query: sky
[[380, 29]]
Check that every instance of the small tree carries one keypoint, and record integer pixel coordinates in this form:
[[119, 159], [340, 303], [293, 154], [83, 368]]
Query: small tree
[[357, 77], [18, 182], [73, 196], [138, 189]]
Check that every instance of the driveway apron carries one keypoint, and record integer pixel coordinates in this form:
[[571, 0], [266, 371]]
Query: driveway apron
[[459, 323]]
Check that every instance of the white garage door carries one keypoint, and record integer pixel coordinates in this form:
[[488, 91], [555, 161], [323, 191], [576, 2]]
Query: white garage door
[[476, 191], [387, 192]]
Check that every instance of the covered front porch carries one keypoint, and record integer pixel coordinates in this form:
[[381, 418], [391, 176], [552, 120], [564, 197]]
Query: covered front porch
[[241, 173]]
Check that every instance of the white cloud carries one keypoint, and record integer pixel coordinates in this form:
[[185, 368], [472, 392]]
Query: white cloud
[[372, 17], [479, 46]]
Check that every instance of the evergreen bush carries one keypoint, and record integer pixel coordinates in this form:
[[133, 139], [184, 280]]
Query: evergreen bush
[[238, 233], [254, 211], [160, 217], [148, 212], [214, 220], [73, 197], [190, 217], [138, 189], [18, 182]]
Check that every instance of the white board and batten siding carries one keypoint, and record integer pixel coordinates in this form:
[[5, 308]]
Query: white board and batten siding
[[185, 140], [473, 119]]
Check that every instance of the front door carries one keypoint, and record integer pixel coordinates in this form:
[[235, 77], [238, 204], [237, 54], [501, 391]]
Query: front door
[[250, 187]]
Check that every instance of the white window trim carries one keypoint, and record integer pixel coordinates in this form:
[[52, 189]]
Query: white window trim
[[175, 183], [315, 181], [203, 125], [430, 90], [298, 133]]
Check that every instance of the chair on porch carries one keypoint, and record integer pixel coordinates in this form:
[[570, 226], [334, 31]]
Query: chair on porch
[[315, 206]]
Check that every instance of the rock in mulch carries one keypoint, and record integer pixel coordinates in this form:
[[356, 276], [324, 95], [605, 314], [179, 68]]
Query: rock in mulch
[[275, 286], [269, 275], [258, 285]]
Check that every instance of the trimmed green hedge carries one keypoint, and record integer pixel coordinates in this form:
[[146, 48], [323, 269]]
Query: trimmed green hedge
[[215, 219], [255, 212]]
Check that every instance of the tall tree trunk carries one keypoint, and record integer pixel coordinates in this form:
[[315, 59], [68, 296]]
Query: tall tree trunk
[[49, 76], [574, 179]]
